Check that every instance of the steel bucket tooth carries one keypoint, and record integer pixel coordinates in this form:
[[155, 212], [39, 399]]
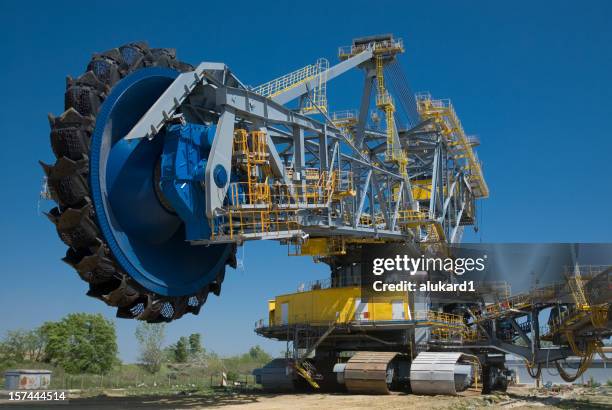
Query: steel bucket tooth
[[107, 67], [125, 312], [180, 307], [123, 295], [66, 180], [85, 93], [232, 261], [76, 228], [96, 268], [70, 134], [98, 290], [133, 54], [134, 310], [195, 303], [151, 309], [215, 286]]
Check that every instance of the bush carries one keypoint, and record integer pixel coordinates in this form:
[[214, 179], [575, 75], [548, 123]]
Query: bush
[[232, 375]]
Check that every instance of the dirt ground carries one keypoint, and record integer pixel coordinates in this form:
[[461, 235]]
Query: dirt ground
[[515, 398]]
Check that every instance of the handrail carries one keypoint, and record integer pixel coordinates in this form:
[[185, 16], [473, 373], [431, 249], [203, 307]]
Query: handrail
[[443, 112]]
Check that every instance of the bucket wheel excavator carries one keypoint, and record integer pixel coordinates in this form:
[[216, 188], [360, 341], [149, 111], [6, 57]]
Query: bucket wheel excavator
[[124, 238], [163, 168]]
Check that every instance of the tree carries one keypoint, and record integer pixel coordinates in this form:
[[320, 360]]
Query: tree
[[258, 354], [195, 344], [23, 345], [34, 343], [150, 337], [181, 350], [81, 342]]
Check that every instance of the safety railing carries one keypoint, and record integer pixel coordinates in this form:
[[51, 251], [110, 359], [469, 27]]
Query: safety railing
[[368, 220], [315, 285], [519, 301], [567, 318], [241, 141], [252, 145], [589, 271], [256, 223], [290, 80], [311, 174], [431, 231], [564, 319], [245, 193], [344, 116], [445, 318], [471, 334], [457, 334], [343, 184], [390, 46], [318, 94], [444, 334], [384, 99], [317, 247], [444, 114], [410, 216], [309, 194], [317, 190]]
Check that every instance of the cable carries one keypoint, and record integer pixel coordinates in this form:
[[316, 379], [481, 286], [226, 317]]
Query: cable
[[402, 89], [535, 375], [585, 362], [398, 93], [547, 365], [409, 92]]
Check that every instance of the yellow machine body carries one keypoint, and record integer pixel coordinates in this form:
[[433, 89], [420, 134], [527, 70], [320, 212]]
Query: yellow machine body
[[338, 305]]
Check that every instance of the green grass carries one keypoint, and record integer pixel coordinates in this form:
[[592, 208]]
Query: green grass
[[171, 377], [593, 383]]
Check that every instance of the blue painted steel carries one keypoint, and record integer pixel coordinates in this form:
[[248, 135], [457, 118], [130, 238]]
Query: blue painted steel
[[238, 194], [220, 176], [184, 159], [147, 240]]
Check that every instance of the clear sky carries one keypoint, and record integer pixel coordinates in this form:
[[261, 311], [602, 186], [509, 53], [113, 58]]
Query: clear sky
[[531, 79]]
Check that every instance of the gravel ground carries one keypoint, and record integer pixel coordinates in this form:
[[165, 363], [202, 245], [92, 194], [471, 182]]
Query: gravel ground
[[571, 397]]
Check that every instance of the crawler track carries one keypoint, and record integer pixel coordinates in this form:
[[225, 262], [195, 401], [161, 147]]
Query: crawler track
[[366, 372]]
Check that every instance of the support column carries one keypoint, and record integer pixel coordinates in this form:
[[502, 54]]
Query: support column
[[219, 161], [299, 157], [364, 107], [323, 154]]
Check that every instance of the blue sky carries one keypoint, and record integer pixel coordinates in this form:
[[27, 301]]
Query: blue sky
[[531, 79]]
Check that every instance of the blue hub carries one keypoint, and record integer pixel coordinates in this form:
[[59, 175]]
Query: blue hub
[[147, 239], [183, 165]]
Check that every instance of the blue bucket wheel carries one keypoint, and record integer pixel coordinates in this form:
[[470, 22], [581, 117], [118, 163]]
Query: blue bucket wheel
[[124, 239]]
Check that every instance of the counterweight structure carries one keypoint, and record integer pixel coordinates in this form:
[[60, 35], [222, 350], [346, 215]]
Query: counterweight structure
[[163, 169]]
